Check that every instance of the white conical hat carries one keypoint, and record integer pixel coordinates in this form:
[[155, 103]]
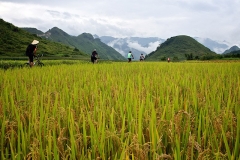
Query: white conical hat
[[35, 42]]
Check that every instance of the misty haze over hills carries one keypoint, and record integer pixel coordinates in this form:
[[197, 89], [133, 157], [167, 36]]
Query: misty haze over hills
[[137, 45], [140, 45], [218, 47], [146, 45]]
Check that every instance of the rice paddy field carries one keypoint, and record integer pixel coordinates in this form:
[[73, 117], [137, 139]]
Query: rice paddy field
[[121, 111]]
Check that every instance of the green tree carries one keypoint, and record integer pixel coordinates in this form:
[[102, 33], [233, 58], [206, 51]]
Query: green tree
[[163, 58], [175, 59], [189, 56]]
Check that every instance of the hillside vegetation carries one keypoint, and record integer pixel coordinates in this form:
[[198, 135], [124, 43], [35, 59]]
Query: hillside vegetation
[[232, 49], [84, 42], [33, 30], [180, 48], [14, 41], [233, 54]]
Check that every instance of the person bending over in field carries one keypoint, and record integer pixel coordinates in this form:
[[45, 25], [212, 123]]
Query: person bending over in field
[[31, 51], [141, 57], [130, 56], [94, 56]]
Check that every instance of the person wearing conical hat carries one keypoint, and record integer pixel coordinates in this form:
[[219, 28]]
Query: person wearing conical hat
[[31, 51]]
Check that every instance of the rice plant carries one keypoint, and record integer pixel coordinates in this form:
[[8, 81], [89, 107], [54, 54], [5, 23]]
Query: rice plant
[[118, 110]]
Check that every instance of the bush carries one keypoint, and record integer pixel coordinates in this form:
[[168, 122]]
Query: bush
[[163, 58], [175, 59], [66, 55]]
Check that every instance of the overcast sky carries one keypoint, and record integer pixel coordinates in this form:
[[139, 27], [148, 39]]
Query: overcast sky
[[215, 19]]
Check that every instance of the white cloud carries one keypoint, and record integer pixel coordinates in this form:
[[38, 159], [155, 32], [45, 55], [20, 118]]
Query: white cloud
[[151, 46], [215, 19], [219, 50], [121, 52]]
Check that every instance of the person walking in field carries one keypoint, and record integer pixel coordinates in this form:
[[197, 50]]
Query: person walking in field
[[168, 59], [142, 57], [31, 51], [130, 56], [94, 56]]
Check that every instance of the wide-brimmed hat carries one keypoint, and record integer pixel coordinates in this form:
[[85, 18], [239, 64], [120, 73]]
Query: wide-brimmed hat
[[34, 42]]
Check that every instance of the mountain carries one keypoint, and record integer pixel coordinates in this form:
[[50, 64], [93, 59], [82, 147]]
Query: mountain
[[233, 54], [232, 49], [84, 42], [33, 30], [137, 45], [178, 47], [147, 45], [14, 42]]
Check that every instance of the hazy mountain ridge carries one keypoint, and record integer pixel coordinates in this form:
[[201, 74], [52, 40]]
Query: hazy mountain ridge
[[232, 49], [218, 47], [147, 45], [179, 47], [143, 45], [137, 45]]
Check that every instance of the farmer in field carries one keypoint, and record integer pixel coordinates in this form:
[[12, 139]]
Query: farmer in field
[[94, 56], [141, 57], [130, 56], [168, 59], [31, 51]]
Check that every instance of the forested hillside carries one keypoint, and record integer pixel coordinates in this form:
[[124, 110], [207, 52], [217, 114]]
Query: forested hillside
[[14, 41], [180, 48], [84, 42]]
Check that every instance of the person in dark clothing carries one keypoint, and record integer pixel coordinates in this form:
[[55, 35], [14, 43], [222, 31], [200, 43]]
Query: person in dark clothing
[[142, 57], [31, 51], [94, 56]]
